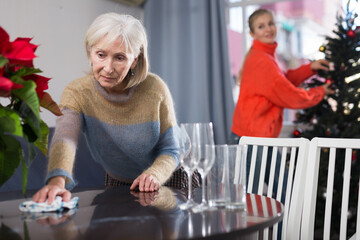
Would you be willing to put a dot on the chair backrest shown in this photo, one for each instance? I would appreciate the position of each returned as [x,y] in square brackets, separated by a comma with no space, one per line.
[331,147]
[293,153]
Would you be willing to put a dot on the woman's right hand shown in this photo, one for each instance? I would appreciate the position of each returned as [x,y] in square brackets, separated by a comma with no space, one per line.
[328,89]
[55,187]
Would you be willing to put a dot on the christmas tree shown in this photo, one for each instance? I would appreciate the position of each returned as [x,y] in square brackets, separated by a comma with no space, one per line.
[338,115]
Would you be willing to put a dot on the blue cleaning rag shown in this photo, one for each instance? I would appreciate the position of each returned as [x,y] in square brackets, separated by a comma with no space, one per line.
[58,205]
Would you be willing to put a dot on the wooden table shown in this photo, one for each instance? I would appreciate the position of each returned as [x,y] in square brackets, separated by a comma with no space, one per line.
[117,213]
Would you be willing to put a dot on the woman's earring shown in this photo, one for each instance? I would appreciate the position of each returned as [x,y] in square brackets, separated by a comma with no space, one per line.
[132,72]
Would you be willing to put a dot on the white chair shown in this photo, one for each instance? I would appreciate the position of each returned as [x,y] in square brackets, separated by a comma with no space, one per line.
[296,150]
[332,146]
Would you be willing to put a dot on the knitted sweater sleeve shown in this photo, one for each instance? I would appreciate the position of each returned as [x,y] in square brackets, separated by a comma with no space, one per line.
[63,147]
[282,92]
[168,145]
[65,139]
[298,75]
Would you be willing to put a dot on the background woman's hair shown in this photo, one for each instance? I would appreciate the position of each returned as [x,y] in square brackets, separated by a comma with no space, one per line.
[132,34]
[252,18]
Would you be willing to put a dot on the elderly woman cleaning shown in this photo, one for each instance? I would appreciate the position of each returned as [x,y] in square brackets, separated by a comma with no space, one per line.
[125,112]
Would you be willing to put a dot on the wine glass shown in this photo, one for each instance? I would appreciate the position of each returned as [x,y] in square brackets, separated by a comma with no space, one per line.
[206,161]
[188,157]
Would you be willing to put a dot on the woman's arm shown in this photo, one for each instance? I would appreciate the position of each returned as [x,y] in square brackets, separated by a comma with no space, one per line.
[61,158]
[297,76]
[167,148]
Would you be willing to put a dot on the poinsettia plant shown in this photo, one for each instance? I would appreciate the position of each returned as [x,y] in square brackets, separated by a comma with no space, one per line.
[20,118]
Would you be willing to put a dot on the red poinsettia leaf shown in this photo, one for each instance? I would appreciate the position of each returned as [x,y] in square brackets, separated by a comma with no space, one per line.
[6,84]
[48,103]
[33,46]
[20,53]
[4,39]
[22,63]
[20,50]
[41,83]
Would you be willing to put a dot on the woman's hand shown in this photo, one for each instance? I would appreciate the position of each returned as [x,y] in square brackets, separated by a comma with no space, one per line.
[146,183]
[328,89]
[145,198]
[55,187]
[320,64]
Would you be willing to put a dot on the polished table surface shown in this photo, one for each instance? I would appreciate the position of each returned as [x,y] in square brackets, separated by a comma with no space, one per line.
[117,213]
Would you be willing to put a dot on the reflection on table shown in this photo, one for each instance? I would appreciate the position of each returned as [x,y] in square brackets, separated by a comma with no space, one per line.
[117,213]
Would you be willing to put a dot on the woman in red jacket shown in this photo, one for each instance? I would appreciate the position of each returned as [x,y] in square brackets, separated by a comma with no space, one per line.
[265,90]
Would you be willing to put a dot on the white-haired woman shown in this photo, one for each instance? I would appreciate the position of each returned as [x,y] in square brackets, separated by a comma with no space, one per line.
[125,112]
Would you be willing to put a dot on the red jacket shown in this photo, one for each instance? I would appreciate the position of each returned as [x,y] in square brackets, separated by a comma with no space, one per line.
[265,91]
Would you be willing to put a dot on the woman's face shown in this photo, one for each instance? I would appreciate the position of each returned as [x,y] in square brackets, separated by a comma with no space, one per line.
[264,29]
[111,64]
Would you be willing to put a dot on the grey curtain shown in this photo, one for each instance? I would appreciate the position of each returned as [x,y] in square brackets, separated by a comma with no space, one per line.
[188,48]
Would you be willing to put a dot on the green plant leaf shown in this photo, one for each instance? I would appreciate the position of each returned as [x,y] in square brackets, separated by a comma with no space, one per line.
[29,97]
[26,232]
[3,61]
[25,171]
[16,79]
[42,141]
[30,133]
[10,157]
[10,122]
[29,112]
[27,71]
[31,153]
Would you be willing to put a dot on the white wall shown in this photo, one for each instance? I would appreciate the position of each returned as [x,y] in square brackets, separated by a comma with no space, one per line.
[59,27]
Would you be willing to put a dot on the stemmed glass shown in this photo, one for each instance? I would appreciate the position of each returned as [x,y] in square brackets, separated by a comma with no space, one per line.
[188,156]
[207,158]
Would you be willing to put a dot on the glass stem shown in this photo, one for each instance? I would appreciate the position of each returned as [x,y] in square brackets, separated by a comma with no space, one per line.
[203,201]
[189,185]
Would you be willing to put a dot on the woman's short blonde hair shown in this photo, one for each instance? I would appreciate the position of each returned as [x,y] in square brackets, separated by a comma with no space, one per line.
[131,32]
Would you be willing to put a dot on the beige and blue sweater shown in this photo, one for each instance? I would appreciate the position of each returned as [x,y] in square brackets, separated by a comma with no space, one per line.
[128,134]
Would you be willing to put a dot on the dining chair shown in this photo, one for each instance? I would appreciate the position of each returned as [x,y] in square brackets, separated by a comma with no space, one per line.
[332,149]
[292,153]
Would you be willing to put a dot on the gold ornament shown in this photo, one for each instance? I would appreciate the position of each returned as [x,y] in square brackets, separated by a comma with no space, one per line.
[346,111]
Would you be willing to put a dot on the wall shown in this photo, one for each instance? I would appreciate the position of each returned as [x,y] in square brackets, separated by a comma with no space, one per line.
[59,27]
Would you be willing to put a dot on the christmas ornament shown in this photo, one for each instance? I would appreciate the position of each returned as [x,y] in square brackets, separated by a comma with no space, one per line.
[351,33]
[328,132]
[297,132]
[322,48]
[353,156]
[342,67]
[346,111]
[314,120]
[331,66]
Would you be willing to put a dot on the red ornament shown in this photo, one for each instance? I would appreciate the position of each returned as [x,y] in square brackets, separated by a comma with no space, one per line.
[329,81]
[328,132]
[297,132]
[351,33]
[353,157]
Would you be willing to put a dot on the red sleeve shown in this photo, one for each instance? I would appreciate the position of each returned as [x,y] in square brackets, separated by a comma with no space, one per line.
[282,92]
[298,75]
